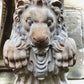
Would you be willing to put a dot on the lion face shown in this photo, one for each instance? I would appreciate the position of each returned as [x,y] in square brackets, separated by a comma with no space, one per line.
[39,23]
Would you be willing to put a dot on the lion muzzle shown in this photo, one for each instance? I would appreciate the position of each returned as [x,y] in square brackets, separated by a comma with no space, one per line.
[40,35]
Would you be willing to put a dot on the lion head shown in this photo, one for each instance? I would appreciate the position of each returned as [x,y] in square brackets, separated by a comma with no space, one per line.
[39,24]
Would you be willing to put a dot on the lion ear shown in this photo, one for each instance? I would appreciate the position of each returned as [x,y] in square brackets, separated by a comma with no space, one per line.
[56,3]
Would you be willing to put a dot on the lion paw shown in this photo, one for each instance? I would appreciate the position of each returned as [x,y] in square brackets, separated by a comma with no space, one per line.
[67,57]
[13,57]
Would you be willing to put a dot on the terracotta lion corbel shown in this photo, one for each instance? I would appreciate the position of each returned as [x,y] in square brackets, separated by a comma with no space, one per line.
[39,50]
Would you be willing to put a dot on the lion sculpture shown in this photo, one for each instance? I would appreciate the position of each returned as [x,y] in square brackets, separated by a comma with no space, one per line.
[39,50]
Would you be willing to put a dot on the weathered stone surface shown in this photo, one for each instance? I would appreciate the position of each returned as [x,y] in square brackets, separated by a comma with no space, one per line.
[76,81]
[83,27]
[7,78]
[74,20]
[78,4]
[28,50]
[73,23]
[77,72]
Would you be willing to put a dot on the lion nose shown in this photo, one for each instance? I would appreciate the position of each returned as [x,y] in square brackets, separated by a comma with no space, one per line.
[41,40]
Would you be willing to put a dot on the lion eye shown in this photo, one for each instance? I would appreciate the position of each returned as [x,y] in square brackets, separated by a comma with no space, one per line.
[29,21]
[49,22]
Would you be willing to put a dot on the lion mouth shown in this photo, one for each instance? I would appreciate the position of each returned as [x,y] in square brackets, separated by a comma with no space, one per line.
[41,54]
[40,46]
[40,51]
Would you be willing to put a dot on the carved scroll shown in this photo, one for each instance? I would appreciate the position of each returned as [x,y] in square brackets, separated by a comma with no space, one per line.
[39,49]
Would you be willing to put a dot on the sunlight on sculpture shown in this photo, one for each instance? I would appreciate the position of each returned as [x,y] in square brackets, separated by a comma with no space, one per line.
[39,50]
